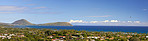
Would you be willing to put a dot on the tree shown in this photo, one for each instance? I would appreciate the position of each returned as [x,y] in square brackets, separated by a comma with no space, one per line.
[134,39]
[85,35]
[47,33]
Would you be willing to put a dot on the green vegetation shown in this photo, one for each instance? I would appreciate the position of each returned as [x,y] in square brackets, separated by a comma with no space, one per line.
[56,24]
[134,39]
[33,34]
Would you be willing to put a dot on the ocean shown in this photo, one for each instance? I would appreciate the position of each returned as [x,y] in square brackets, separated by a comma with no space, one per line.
[138,29]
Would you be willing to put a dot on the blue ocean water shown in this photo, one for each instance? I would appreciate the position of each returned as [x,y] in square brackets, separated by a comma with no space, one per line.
[138,29]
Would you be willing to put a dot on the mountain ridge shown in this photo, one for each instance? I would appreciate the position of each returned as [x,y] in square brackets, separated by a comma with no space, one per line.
[22,22]
[26,23]
[57,24]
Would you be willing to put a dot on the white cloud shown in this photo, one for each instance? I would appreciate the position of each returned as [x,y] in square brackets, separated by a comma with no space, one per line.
[78,21]
[75,21]
[93,21]
[129,21]
[18,9]
[81,21]
[111,23]
[114,21]
[136,21]
[106,21]
[11,8]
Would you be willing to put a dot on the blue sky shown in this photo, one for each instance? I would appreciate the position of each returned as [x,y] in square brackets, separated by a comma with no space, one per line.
[45,11]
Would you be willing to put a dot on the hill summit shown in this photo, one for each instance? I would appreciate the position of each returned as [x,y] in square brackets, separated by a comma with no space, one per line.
[22,22]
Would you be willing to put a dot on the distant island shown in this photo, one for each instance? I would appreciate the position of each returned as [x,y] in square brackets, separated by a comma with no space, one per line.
[23,22]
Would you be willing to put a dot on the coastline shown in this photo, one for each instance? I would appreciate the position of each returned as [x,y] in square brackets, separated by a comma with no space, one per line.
[138,29]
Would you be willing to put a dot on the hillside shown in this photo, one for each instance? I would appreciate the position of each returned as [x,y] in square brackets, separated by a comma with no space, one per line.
[22,22]
[5,25]
[25,22]
[56,24]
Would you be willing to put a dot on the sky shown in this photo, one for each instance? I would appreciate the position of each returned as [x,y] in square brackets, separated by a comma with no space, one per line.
[77,12]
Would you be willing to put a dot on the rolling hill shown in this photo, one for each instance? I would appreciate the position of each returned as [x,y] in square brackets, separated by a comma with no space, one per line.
[27,23]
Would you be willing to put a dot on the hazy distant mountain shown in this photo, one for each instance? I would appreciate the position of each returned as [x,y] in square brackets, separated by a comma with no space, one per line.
[5,24]
[22,22]
[56,24]
[25,22]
